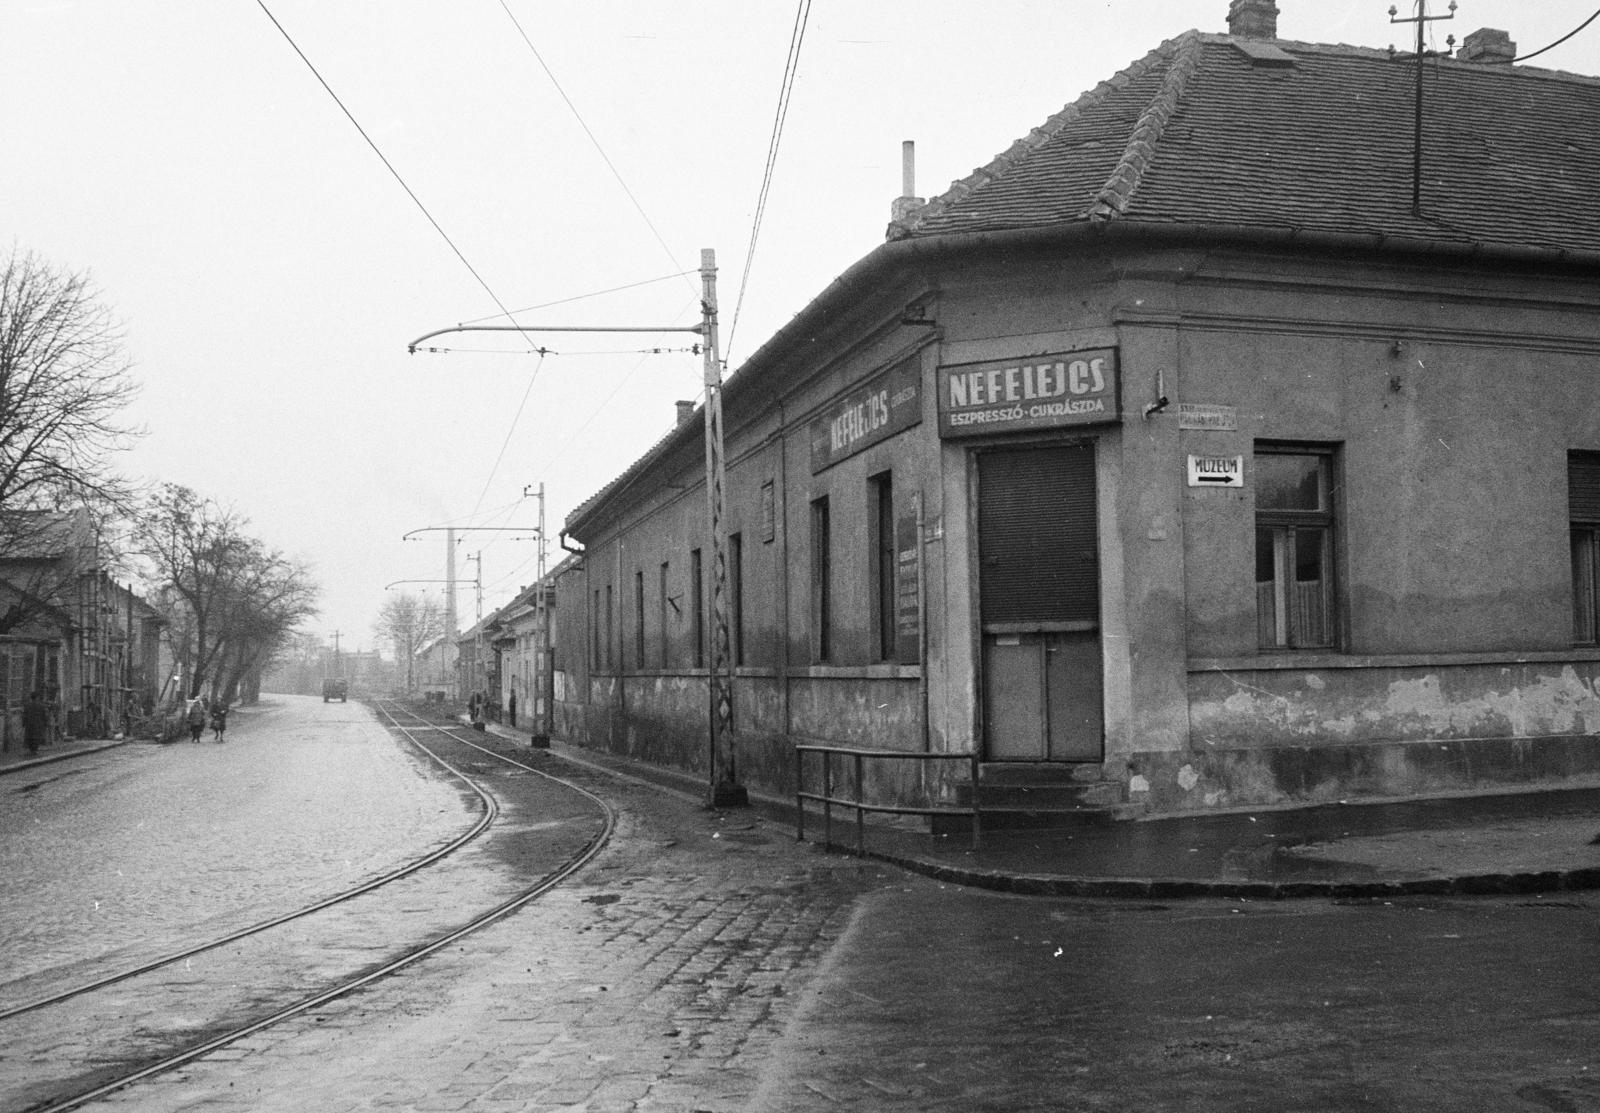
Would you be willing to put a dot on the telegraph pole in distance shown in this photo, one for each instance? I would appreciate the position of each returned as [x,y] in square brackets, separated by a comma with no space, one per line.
[725,789]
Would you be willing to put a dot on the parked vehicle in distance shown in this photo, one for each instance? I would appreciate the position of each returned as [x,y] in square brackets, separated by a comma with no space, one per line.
[335,688]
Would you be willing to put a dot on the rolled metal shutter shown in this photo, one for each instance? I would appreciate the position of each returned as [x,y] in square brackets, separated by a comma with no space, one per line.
[1037,540]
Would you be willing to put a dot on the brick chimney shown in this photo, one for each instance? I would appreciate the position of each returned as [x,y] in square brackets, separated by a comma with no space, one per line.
[685,411]
[1253,19]
[1487,46]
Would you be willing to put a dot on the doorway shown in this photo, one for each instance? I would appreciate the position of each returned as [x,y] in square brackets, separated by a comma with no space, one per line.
[1039,604]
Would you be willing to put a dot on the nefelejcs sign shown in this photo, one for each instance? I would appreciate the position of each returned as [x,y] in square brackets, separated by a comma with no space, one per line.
[1002,396]
[888,404]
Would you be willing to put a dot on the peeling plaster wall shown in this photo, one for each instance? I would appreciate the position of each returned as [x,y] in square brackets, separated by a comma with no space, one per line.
[1240,709]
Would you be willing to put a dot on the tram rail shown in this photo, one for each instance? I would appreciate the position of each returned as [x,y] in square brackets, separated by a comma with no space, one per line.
[406,956]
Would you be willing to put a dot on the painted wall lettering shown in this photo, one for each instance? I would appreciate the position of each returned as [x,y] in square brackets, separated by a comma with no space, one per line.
[888,404]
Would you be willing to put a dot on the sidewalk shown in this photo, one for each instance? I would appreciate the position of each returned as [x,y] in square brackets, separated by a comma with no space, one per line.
[13,760]
[1501,842]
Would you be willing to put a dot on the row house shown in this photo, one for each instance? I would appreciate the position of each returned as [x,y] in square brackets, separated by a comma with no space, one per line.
[1230,439]
[90,645]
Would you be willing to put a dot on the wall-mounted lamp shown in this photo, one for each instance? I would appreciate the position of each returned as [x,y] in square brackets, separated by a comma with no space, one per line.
[917,314]
[1161,401]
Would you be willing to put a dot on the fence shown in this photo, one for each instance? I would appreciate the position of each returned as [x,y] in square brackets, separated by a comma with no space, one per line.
[859,758]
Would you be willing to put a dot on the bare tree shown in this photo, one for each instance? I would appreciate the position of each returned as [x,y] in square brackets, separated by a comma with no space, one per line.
[64,381]
[409,622]
[235,596]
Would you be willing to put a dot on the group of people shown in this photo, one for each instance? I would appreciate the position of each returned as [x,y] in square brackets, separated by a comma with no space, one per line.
[202,711]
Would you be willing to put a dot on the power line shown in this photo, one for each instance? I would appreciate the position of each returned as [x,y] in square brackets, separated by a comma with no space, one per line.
[786,87]
[1558,42]
[509,433]
[581,123]
[387,164]
[581,297]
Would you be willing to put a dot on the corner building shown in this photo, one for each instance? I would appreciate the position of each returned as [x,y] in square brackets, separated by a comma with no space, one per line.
[1191,453]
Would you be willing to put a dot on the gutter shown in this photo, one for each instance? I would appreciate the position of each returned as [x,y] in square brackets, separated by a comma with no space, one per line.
[856,282]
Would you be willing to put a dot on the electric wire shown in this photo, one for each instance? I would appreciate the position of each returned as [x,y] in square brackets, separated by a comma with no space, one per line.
[1558,42]
[517,417]
[387,164]
[615,173]
[791,68]
[581,297]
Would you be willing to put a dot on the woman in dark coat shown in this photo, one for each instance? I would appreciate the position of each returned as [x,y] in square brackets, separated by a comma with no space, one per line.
[35,722]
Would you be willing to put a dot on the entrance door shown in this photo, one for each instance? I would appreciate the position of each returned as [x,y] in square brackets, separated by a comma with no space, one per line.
[1039,601]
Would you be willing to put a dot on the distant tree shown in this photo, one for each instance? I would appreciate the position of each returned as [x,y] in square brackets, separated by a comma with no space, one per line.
[409,622]
[236,599]
[64,382]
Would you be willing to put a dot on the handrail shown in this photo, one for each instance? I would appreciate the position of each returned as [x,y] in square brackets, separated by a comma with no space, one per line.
[860,755]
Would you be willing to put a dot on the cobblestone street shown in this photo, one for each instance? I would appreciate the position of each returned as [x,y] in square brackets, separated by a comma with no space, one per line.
[660,979]
[143,846]
[707,963]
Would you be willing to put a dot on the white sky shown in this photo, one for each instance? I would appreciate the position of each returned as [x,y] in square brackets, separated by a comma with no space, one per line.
[270,270]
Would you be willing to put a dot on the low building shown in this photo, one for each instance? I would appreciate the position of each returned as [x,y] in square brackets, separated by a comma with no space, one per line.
[90,645]
[1225,441]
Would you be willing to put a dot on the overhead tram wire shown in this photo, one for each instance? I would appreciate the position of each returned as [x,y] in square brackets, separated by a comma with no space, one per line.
[791,68]
[493,471]
[581,297]
[615,173]
[388,165]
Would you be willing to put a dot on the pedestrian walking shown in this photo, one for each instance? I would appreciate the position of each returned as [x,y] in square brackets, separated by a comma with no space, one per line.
[196,719]
[219,720]
[35,721]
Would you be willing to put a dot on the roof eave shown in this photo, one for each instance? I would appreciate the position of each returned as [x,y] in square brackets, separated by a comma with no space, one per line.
[865,277]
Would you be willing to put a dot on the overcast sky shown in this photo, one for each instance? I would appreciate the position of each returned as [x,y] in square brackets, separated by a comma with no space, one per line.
[271,270]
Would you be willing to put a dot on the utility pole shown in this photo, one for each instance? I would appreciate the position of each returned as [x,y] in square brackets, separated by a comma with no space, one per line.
[725,789]
[1421,19]
[450,655]
[543,677]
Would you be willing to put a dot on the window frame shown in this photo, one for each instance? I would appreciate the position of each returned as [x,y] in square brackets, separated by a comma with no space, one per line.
[821,581]
[1285,526]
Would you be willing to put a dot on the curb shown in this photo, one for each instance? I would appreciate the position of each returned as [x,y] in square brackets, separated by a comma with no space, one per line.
[50,759]
[1129,888]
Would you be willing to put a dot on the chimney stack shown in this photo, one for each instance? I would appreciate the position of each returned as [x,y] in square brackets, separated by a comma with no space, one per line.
[1253,19]
[1487,46]
[685,411]
[906,205]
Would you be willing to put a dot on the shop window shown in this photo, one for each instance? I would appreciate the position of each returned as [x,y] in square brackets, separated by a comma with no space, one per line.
[666,603]
[821,582]
[1583,502]
[697,607]
[881,493]
[736,597]
[1294,548]
[638,620]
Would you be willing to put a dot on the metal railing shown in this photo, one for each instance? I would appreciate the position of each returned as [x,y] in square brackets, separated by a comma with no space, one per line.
[859,758]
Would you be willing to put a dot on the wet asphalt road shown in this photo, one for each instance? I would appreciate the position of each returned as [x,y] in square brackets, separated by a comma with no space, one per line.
[706,962]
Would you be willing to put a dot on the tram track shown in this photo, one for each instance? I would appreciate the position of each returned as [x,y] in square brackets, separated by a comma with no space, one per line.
[167,986]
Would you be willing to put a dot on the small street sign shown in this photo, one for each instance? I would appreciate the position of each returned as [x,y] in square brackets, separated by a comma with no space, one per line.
[1216,471]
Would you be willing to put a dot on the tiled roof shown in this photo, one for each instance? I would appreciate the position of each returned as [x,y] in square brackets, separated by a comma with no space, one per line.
[1318,139]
